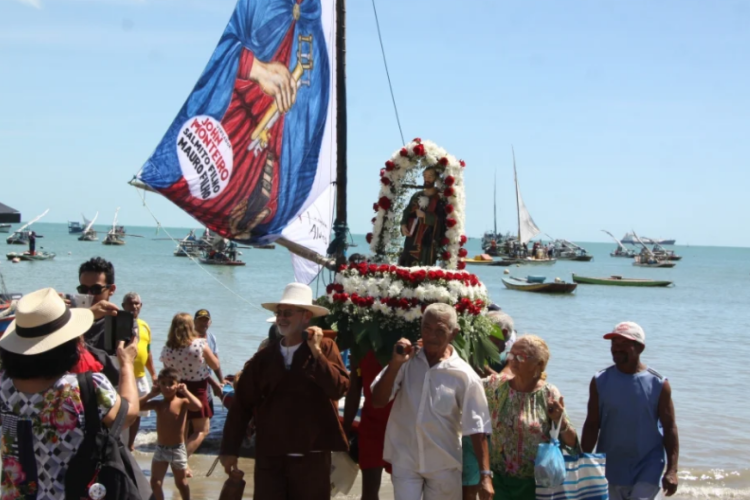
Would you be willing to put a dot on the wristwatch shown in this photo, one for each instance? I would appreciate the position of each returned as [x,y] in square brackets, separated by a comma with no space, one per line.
[486,473]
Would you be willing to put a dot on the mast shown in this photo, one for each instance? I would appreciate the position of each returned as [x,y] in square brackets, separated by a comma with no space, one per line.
[494,203]
[518,203]
[341,163]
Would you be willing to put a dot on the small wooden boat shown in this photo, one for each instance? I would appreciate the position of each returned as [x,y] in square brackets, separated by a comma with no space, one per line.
[505,262]
[26,256]
[531,284]
[577,258]
[220,261]
[653,263]
[621,250]
[483,259]
[536,262]
[620,281]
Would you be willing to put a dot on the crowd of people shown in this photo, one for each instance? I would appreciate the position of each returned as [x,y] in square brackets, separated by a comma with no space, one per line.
[442,428]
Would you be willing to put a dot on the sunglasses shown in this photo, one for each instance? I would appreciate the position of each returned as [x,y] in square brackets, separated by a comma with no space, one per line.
[92,290]
[518,357]
[287,313]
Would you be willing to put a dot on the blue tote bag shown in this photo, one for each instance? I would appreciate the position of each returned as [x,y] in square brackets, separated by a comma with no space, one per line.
[584,479]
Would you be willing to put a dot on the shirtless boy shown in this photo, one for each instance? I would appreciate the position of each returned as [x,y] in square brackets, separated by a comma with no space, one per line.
[171,416]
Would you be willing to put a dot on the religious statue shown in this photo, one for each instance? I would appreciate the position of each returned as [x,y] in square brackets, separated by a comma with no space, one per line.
[423,224]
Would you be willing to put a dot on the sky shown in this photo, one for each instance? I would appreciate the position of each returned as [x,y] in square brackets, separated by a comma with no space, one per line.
[622,114]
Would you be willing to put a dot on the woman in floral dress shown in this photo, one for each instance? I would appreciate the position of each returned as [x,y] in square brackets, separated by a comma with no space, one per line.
[523,406]
[190,355]
[41,410]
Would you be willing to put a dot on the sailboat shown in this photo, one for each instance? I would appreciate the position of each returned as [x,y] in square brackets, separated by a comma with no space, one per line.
[492,240]
[621,250]
[527,228]
[647,258]
[115,236]
[88,233]
[21,235]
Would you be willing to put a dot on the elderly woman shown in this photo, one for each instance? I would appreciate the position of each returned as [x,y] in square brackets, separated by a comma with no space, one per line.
[40,400]
[192,357]
[523,406]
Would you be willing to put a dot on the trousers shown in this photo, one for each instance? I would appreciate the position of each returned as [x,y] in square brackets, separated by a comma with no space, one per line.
[440,485]
[305,477]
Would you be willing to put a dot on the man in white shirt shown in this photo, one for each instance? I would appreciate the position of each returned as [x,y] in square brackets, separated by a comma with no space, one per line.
[438,398]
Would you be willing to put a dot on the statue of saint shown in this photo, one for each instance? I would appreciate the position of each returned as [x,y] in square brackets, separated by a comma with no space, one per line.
[423,224]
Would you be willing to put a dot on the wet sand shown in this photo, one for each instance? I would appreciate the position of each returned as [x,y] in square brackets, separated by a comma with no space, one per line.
[208,488]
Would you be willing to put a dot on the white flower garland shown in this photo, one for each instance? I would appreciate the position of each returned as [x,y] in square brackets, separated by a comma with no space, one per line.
[386,236]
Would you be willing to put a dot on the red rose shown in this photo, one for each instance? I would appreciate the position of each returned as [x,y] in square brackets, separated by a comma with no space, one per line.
[404,152]
[464,239]
[344,297]
[449,181]
[339,287]
[440,274]
[417,140]
[384,300]
[462,252]
[383,268]
[419,150]
[384,202]
[462,163]
[431,275]
[342,268]
[445,241]
[389,166]
[444,161]
[404,303]
[392,269]
[374,219]
[375,207]
[446,256]
[373,268]
[330,289]
[450,222]
[414,302]
[393,302]
[448,192]
[462,265]
[449,209]
[369,237]
[385,180]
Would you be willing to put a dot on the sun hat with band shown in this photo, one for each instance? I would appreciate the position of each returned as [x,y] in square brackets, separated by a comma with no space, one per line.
[298,295]
[628,330]
[44,322]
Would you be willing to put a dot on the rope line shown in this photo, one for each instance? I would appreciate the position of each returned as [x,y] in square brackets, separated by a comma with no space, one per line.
[387,73]
[193,259]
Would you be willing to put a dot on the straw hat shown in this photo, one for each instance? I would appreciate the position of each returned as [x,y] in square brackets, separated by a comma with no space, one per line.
[43,322]
[297,294]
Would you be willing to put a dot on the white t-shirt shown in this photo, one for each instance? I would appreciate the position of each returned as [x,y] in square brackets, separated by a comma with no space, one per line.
[288,354]
[434,407]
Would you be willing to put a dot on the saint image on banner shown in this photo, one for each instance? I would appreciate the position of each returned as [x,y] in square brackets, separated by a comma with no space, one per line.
[243,152]
[423,224]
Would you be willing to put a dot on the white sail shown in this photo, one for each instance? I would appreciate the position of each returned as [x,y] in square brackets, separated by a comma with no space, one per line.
[90,223]
[527,229]
[650,253]
[619,243]
[114,222]
[31,221]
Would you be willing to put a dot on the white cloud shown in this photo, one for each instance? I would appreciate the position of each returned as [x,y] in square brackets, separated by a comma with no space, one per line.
[37,4]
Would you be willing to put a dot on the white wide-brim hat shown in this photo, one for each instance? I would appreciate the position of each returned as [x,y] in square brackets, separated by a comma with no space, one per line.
[299,295]
[43,322]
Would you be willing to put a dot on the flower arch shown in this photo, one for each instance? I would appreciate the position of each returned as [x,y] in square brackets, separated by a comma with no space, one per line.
[402,167]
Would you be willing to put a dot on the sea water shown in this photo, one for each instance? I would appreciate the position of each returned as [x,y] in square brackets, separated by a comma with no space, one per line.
[696,331]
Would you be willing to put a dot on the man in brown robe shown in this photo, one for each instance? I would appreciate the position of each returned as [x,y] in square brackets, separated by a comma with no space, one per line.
[291,390]
[423,227]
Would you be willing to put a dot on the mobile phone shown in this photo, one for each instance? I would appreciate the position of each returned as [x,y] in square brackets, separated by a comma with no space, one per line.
[400,350]
[118,328]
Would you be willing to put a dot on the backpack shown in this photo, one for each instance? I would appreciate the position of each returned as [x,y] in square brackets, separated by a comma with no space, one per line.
[101,458]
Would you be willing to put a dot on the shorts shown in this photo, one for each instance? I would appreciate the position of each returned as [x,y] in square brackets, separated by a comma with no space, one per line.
[371,439]
[200,390]
[639,491]
[143,384]
[470,472]
[176,455]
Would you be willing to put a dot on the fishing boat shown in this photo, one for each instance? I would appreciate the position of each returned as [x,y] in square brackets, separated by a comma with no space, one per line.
[567,250]
[116,235]
[75,227]
[88,233]
[620,281]
[4,228]
[532,284]
[26,256]
[621,250]
[664,254]
[21,235]
[480,260]
[527,228]
[647,258]
[219,259]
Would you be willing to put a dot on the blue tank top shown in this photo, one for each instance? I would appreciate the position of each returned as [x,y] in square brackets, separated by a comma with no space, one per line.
[630,432]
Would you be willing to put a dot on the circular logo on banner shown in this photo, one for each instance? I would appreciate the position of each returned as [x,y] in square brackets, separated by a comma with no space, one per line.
[205,155]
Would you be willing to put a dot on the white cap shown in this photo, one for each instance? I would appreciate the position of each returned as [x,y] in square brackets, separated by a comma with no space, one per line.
[628,330]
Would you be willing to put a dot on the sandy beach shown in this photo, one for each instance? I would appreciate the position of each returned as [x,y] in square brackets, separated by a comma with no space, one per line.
[208,488]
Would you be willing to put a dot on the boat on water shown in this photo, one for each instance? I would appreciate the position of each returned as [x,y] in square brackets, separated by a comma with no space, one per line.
[116,235]
[647,258]
[620,281]
[21,235]
[4,228]
[75,227]
[221,252]
[567,250]
[480,260]
[219,259]
[26,256]
[621,250]
[664,254]
[632,239]
[538,284]
[88,233]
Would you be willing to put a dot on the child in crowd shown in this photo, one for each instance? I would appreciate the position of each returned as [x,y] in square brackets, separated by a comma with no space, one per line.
[171,418]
